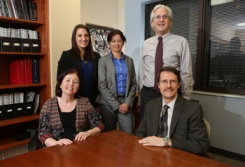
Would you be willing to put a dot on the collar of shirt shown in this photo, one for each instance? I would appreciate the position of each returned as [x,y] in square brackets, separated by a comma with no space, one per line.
[164,37]
[171,104]
[123,56]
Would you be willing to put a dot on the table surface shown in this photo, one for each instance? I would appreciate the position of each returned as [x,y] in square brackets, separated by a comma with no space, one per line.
[109,149]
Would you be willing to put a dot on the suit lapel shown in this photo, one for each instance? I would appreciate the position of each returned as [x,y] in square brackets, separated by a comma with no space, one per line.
[128,74]
[178,109]
[156,115]
[111,72]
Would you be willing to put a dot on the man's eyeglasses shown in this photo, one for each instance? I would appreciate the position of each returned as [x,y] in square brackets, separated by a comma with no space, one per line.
[165,82]
[158,17]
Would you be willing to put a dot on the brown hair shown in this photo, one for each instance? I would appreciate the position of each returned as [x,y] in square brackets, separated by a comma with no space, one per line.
[89,54]
[58,91]
[173,70]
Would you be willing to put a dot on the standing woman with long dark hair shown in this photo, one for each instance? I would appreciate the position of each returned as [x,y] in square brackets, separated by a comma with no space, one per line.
[82,58]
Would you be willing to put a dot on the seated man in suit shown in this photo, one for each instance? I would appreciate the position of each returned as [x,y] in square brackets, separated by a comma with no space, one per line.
[183,126]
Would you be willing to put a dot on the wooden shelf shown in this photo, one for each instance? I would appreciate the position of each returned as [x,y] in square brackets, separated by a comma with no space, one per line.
[21,86]
[8,127]
[22,54]
[9,143]
[19,120]
[13,22]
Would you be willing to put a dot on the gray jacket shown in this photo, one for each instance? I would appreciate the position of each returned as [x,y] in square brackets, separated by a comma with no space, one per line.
[107,83]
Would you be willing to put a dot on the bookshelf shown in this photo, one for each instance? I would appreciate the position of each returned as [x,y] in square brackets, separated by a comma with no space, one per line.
[41,25]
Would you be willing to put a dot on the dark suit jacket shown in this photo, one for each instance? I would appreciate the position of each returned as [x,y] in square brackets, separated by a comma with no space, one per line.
[107,83]
[67,62]
[187,129]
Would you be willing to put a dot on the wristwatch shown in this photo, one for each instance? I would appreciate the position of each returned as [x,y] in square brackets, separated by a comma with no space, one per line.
[165,141]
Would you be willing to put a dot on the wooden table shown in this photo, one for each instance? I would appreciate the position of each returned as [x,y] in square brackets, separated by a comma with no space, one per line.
[109,149]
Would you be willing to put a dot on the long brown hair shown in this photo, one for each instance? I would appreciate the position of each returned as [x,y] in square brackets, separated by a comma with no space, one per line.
[88,54]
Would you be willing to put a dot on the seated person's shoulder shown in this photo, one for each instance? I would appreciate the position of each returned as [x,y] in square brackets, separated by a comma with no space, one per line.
[154,101]
[193,104]
[82,99]
[52,100]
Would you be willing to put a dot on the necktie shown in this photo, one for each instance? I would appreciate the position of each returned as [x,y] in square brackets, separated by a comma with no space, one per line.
[163,122]
[158,61]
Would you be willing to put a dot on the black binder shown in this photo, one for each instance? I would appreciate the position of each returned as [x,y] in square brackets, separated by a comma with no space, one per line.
[6,44]
[26,45]
[16,44]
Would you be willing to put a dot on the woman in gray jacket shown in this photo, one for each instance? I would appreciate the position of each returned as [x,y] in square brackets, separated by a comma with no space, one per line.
[117,85]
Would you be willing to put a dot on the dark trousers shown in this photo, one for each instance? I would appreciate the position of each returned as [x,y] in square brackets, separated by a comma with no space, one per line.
[147,94]
[111,118]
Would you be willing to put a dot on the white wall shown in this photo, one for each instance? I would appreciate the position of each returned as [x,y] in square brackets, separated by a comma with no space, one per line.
[100,12]
[226,116]
[64,15]
[134,28]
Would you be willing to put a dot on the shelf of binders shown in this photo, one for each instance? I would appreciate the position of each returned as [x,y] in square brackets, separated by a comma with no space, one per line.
[8,127]
[13,22]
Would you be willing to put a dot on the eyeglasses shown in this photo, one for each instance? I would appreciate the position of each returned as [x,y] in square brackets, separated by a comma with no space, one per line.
[158,17]
[165,82]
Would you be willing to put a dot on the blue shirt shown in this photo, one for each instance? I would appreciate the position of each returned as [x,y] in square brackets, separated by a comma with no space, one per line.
[87,79]
[121,74]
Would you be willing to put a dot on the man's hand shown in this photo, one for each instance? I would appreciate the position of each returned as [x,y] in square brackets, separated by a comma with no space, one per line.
[152,141]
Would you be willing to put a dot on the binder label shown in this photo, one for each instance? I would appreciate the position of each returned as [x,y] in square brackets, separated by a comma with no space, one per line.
[35,45]
[26,45]
[6,43]
[16,44]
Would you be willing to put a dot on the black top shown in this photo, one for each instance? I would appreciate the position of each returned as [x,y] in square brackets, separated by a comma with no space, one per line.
[68,123]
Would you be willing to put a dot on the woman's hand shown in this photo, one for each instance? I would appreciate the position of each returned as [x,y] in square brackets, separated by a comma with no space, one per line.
[123,108]
[52,142]
[64,142]
[82,136]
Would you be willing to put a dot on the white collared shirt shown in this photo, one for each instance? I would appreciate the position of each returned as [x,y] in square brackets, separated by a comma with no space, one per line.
[170,112]
[176,53]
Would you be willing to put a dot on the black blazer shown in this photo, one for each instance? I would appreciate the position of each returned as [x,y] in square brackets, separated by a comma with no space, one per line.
[187,129]
[68,62]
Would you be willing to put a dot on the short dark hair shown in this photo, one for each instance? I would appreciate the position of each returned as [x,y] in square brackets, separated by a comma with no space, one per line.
[115,32]
[169,69]
[58,91]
